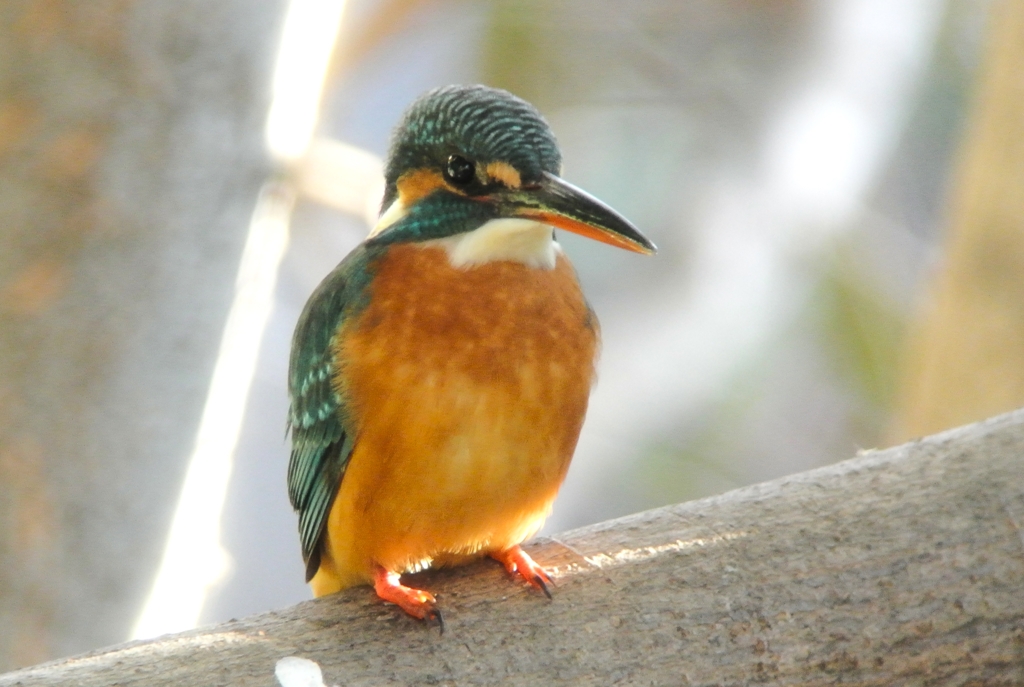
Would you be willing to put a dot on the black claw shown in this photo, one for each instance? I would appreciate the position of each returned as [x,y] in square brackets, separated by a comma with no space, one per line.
[543,586]
[435,614]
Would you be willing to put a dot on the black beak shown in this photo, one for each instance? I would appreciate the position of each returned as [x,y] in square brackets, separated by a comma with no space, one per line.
[562,205]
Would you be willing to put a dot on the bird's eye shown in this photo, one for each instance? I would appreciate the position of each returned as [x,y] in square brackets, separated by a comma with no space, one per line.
[459,170]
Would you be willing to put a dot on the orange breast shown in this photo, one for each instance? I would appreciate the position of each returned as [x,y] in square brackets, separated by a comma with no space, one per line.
[469,388]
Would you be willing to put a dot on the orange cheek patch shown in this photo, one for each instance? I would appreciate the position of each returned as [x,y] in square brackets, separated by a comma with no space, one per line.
[505,173]
[414,185]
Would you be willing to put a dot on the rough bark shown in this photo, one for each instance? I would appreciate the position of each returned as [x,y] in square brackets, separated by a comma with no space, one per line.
[131,154]
[903,566]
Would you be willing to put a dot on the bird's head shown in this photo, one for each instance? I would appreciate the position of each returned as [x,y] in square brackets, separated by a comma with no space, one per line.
[477,160]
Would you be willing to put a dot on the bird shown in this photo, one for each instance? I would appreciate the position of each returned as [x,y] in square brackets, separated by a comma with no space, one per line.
[439,376]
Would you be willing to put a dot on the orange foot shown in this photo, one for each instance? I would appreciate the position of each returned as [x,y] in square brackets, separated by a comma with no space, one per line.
[515,561]
[415,602]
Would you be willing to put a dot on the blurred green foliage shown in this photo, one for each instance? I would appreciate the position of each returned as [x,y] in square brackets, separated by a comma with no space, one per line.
[862,333]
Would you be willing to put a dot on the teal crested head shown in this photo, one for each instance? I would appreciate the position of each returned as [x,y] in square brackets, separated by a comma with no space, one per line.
[483,126]
[465,158]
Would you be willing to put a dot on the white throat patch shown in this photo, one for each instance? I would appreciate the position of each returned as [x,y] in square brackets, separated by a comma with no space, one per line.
[520,240]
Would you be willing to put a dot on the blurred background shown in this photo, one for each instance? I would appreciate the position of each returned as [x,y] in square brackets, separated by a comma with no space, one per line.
[836,186]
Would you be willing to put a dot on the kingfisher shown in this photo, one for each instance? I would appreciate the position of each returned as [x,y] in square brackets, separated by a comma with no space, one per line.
[439,375]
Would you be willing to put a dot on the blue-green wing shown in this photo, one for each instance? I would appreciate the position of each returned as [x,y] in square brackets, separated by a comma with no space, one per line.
[322,434]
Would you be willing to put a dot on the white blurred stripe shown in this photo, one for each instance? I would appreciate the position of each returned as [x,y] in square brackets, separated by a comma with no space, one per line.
[194,559]
[307,41]
[343,177]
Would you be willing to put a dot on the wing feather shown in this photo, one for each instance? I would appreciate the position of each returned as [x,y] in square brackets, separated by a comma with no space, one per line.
[321,426]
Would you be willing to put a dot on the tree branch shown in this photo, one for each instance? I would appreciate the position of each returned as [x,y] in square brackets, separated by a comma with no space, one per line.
[899,566]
